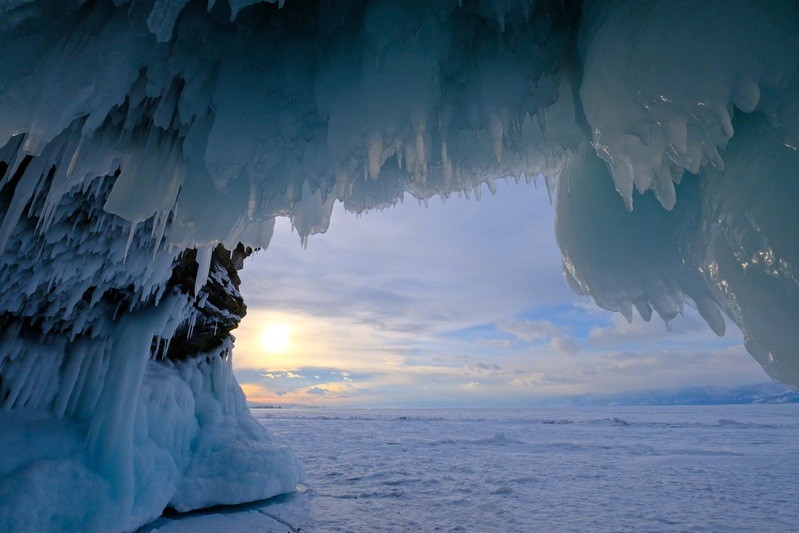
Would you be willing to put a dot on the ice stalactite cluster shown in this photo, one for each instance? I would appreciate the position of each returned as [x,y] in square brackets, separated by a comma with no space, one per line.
[662,82]
[697,104]
[139,140]
[105,339]
[272,112]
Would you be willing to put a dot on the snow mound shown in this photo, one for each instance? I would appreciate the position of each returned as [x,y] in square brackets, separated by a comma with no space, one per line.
[189,442]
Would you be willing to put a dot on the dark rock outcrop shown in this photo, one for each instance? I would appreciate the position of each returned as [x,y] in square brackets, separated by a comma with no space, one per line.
[219,306]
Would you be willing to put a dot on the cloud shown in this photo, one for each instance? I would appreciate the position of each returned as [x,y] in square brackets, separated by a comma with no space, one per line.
[674,368]
[296,382]
[539,379]
[505,344]
[529,330]
[565,345]
[537,331]
[288,375]
[317,391]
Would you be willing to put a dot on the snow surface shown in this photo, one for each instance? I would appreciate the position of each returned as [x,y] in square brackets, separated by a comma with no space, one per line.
[719,468]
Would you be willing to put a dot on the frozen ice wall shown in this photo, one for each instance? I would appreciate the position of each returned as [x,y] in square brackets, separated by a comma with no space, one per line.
[693,105]
[142,141]
[116,385]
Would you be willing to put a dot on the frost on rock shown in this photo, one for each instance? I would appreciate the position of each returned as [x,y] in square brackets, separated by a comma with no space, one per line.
[139,141]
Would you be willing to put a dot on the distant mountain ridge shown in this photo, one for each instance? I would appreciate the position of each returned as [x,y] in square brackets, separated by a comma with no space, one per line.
[761,393]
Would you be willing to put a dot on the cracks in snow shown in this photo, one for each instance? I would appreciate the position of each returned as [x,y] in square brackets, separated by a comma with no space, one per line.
[292,528]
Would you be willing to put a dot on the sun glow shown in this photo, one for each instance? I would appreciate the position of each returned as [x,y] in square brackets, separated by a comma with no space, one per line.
[276,337]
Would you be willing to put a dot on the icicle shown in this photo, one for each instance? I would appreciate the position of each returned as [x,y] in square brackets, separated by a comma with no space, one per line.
[130,240]
[447,167]
[495,135]
[420,129]
[204,256]
[664,190]
[677,132]
[710,312]
[252,202]
[724,120]
[167,342]
[623,178]
[643,308]
[550,181]
[191,324]
[626,309]
[22,195]
[75,362]
[643,130]
[374,152]
[12,153]
[746,96]
[713,156]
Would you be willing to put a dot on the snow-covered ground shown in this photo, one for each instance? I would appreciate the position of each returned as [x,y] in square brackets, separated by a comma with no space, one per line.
[717,468]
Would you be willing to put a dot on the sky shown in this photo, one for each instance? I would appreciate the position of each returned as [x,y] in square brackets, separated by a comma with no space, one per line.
[461,303]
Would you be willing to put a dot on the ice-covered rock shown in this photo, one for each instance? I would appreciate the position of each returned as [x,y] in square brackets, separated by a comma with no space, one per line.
[105,339]
[136,138]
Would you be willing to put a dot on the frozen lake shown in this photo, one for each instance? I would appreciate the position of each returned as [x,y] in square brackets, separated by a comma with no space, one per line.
[604,468]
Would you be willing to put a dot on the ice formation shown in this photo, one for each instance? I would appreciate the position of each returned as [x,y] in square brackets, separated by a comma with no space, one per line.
[139,141]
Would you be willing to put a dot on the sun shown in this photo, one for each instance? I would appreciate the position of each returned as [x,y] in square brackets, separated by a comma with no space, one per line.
[276,337]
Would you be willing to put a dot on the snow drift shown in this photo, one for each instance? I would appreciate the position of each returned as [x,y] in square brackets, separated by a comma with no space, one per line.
[140,141]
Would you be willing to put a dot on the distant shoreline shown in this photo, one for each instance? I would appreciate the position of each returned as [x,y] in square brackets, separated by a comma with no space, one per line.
[758,394]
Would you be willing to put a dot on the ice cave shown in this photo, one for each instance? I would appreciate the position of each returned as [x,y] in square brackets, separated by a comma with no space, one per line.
[147,146]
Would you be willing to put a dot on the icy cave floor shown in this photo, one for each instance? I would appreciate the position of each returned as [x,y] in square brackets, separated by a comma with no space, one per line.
[606,468]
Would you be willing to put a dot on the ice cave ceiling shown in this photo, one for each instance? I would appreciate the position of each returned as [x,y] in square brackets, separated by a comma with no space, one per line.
[132,131]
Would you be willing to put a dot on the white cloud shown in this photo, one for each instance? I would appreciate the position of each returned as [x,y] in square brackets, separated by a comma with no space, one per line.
[542,382]
[529,330]
[539,331]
